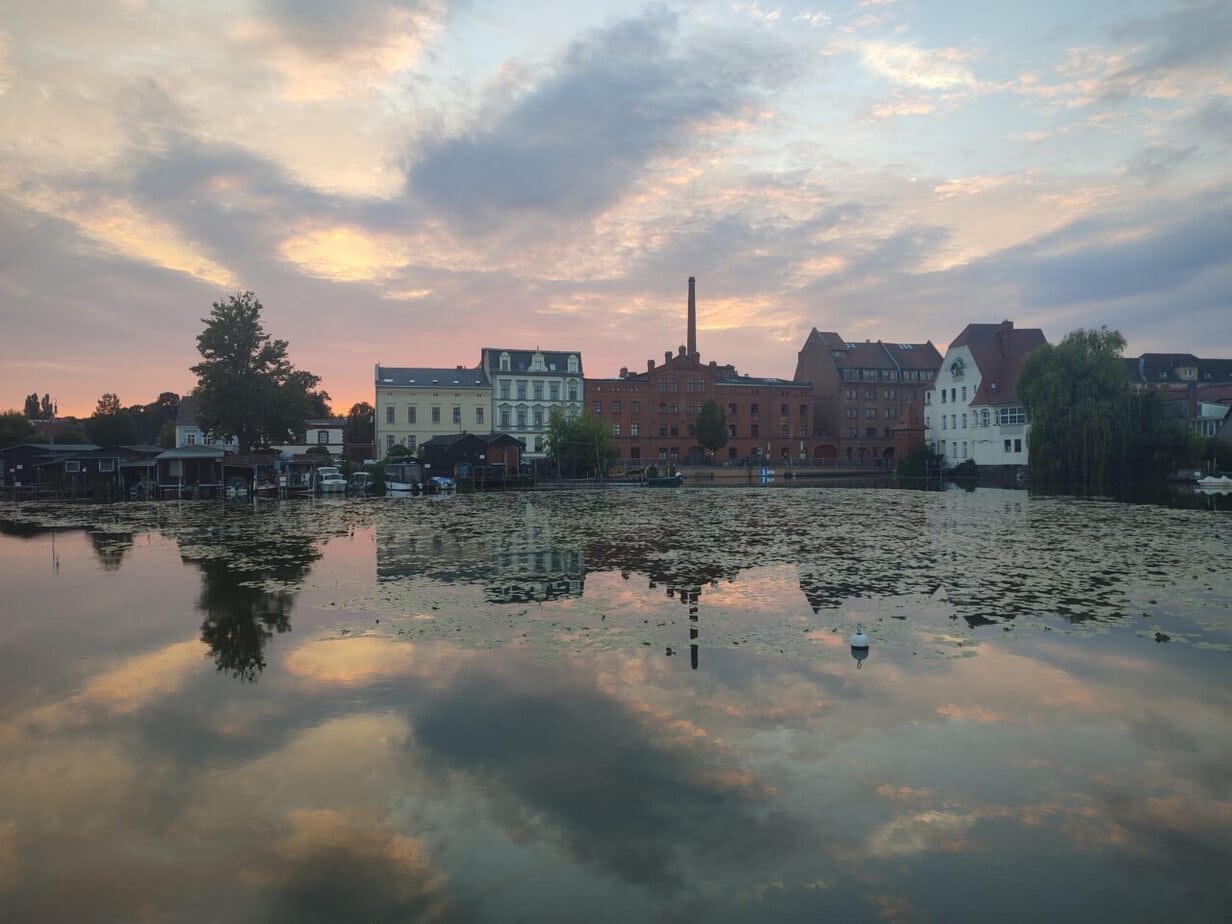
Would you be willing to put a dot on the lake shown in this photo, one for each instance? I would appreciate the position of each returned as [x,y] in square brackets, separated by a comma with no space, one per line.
[617,706]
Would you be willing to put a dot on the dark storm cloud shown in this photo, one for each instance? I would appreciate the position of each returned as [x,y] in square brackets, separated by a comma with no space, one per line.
[620,794]
[329,27]
[619,99]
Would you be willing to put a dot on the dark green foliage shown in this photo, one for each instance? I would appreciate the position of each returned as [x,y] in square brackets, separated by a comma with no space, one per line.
[360,424]
[579,447]
[70,436]
[246,386]
[711,426]
[111,424]
[15,429]
[920,468]
[1087,429]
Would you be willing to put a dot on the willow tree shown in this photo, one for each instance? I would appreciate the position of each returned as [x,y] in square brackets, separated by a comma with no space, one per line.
[1076,395]
[246,385]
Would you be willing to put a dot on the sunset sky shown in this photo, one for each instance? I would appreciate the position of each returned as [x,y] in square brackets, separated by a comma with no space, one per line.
[408,181]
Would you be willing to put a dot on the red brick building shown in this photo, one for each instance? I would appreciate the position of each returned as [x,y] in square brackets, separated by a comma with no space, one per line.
[862,393]
[653,414]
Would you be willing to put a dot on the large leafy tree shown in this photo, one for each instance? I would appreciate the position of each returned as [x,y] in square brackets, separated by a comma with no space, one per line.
[111,424]
[246,385]
[16,429]
[360,424]
[1076,395]
[32,407]
[580,446]
[711,426]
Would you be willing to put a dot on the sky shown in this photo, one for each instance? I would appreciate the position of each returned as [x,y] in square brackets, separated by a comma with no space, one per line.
[405,182]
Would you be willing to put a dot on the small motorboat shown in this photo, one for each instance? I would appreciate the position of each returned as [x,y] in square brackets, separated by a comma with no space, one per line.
[329,480]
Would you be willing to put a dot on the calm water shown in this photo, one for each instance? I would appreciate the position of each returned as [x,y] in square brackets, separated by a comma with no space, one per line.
[617,706]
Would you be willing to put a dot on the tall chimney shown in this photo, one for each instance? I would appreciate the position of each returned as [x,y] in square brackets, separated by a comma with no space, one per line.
[692,337]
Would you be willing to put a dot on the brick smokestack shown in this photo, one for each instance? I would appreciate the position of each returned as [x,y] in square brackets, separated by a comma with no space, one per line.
[691,340]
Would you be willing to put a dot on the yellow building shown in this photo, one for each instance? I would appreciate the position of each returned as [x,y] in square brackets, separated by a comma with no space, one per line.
[414,405]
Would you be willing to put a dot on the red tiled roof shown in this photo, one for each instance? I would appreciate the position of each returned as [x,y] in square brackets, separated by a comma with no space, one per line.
[998,351]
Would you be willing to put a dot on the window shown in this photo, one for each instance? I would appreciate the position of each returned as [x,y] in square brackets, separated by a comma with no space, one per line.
[964,419]
[615,407]
[870,394]
[410,414]
[674,408]
[964,392]
[479,415]
[754,408]
[850,394]
[851,375]
[785,430]
[192,438]
[662,384]
[457,414]
[984,417]
[928,397]
[954,395]
[942,421]
[869,375]
[1018,445]
[635,452]
[522,391]
[410,443]
[662,429]
[615,429]
[1011,415]
[909,375]
[554,391]
[731,410]
[943,396]
[754,430]
[322,437]
[635,407]
[635,429]
[596,407]
[953,421]
[538,391]
[521,418]
[675,384]
[782,410]
[389,414]
[538,418]
[662,407]
[573,392]
[504,418]
[106,465]
[675,429]
[504,390]
[389,441]
[889,413]
[870,412]
[436,415]
[731,430]
[1007,445]
[504,364]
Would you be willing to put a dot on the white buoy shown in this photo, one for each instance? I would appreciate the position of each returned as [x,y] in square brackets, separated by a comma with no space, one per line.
[859,640]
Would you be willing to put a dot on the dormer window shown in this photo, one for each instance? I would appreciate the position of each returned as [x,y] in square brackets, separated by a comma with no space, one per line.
[504,362]
[573,363]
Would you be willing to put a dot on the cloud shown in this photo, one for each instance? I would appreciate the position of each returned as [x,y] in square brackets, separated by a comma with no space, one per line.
[573,145]
[1154,164]
[907,64]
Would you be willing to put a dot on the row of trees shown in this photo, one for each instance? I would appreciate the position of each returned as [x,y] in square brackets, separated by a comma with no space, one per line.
[111,424]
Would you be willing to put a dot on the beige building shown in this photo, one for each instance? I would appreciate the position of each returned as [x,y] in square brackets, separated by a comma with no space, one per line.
[413,405]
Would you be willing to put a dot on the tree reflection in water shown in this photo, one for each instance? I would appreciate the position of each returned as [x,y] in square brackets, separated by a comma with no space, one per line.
[248,580]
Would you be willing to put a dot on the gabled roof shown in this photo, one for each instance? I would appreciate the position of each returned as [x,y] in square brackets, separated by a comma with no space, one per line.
[429,376]
[450,439]
[186,415]
[878,354]
[998,351]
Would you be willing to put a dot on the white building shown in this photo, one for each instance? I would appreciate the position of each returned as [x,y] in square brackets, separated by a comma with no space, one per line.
[415,404]
[526,385]
[187,433]
[972,411]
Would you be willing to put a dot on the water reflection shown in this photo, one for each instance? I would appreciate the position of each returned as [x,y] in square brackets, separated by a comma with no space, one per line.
[248,588]
[473,757]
